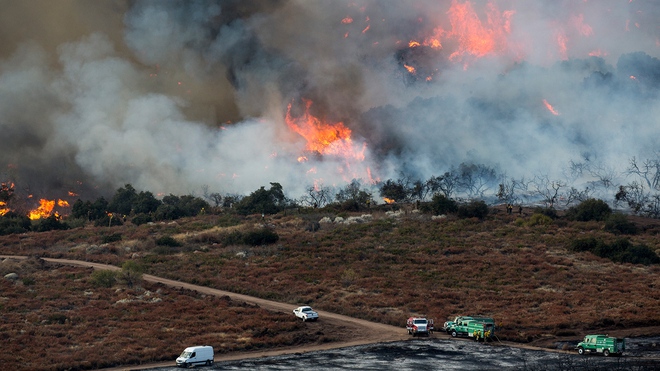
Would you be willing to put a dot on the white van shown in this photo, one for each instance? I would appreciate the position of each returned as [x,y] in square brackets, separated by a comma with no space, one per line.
[192,356]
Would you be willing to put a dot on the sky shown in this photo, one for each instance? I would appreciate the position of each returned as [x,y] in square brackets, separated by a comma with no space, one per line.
[187,97]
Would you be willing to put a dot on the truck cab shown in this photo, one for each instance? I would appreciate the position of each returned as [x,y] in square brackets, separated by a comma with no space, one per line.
[419,326]
[606,345]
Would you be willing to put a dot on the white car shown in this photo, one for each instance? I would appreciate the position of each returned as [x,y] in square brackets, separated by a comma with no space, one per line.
[306,313]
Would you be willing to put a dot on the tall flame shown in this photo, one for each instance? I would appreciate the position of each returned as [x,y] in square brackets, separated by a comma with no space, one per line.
[3,208]
[329,139]
[43,211]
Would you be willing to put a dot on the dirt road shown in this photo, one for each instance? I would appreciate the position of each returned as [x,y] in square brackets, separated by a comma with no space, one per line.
[353,331]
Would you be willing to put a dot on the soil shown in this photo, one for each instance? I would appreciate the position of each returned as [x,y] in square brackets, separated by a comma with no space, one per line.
[345,331]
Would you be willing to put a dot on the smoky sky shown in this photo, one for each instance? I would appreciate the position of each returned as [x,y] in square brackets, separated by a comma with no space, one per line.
[180,96]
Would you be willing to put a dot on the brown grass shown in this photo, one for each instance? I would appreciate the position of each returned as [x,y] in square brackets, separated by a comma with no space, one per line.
[386,270]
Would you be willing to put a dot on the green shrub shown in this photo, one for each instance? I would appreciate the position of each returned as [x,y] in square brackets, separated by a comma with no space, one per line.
[591,209]
[50,223]
[140,219]
[539,219]
[618,223]
[104,278]
[440,204]
[621,250]
[111,238]
[108,221]
[547,211]
[585,244]
[258,237]
[474,209]
[167,241]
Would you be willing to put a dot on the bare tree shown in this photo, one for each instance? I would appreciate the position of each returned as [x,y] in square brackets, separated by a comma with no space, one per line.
[547,189]
[648,171]
[316,195]
[475,179]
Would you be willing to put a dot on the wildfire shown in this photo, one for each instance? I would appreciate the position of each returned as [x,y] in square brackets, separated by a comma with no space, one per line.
[327,139]
[3,208]
[388,200]
[472,36]
[550,108]
[43,211]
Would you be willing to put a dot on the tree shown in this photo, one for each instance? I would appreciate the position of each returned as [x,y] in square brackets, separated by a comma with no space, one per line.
[263,201]
[316,195]
[548,190]
[394,191]
[440,204]
[475,179]
[353,192]
[123,200]
[216,198]
[145,203]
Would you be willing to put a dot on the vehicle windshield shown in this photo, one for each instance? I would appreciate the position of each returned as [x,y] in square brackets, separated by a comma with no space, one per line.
[185,355]
[420,321]
[308,309]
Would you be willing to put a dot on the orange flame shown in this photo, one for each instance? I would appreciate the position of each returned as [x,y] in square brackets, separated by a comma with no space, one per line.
[410,69]
[3,209]
[388,200]
[472,36]
[550,108]
[330,139]
[43,211]
[62,203]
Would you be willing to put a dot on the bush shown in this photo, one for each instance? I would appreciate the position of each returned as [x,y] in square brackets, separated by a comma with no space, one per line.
[618,223]
[104,278]
[49,224]
[167,241]
[111,238]
[547,211]
[107,221]
[131,273]
[475,209]
[621,250]
[140,219]
[441,204]
[539,219]
[591,209]
[262,236]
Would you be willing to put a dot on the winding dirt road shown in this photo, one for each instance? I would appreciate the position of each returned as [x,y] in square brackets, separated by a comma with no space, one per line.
[362,332]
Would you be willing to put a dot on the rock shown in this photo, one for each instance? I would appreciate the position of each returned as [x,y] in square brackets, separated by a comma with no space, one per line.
[11,276]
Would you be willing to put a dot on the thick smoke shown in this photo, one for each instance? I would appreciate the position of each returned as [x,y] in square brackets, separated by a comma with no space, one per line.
[175,96]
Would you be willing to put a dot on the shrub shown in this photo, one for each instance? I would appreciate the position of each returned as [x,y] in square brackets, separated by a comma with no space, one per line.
[618,223]
[140,219]
[167,241]
[547,211]
[104,278]
[539,219]
[262,236]
[108,221]
[621,250]
[591,209]
[49,224]
[474,209]
[440,204]
[131,273]
[111,238]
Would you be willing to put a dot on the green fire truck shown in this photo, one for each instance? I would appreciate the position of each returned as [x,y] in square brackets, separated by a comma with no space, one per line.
[479,328]
[601,344]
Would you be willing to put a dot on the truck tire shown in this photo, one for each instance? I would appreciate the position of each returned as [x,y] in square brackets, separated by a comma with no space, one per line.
[454,334]
[581,351]
[606,353]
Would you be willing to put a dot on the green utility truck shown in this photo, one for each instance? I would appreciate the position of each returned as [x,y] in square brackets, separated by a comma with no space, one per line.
[479,328]
[601,344]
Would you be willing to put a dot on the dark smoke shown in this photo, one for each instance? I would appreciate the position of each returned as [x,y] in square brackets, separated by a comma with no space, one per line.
[174,95]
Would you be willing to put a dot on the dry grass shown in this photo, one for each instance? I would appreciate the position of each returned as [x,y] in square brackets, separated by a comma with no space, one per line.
[385,270]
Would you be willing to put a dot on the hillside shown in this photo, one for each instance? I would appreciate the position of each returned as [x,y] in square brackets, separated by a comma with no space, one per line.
[383,266]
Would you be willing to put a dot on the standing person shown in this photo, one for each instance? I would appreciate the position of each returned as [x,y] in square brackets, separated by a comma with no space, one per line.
[519,209]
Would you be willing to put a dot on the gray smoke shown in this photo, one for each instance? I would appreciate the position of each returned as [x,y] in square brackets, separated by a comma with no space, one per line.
[171,96]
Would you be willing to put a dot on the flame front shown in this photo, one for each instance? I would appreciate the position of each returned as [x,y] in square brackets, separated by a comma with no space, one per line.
[3,208]
[327,139]
[43,211]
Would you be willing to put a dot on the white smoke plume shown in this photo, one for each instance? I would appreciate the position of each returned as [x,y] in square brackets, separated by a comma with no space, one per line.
[171,96]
